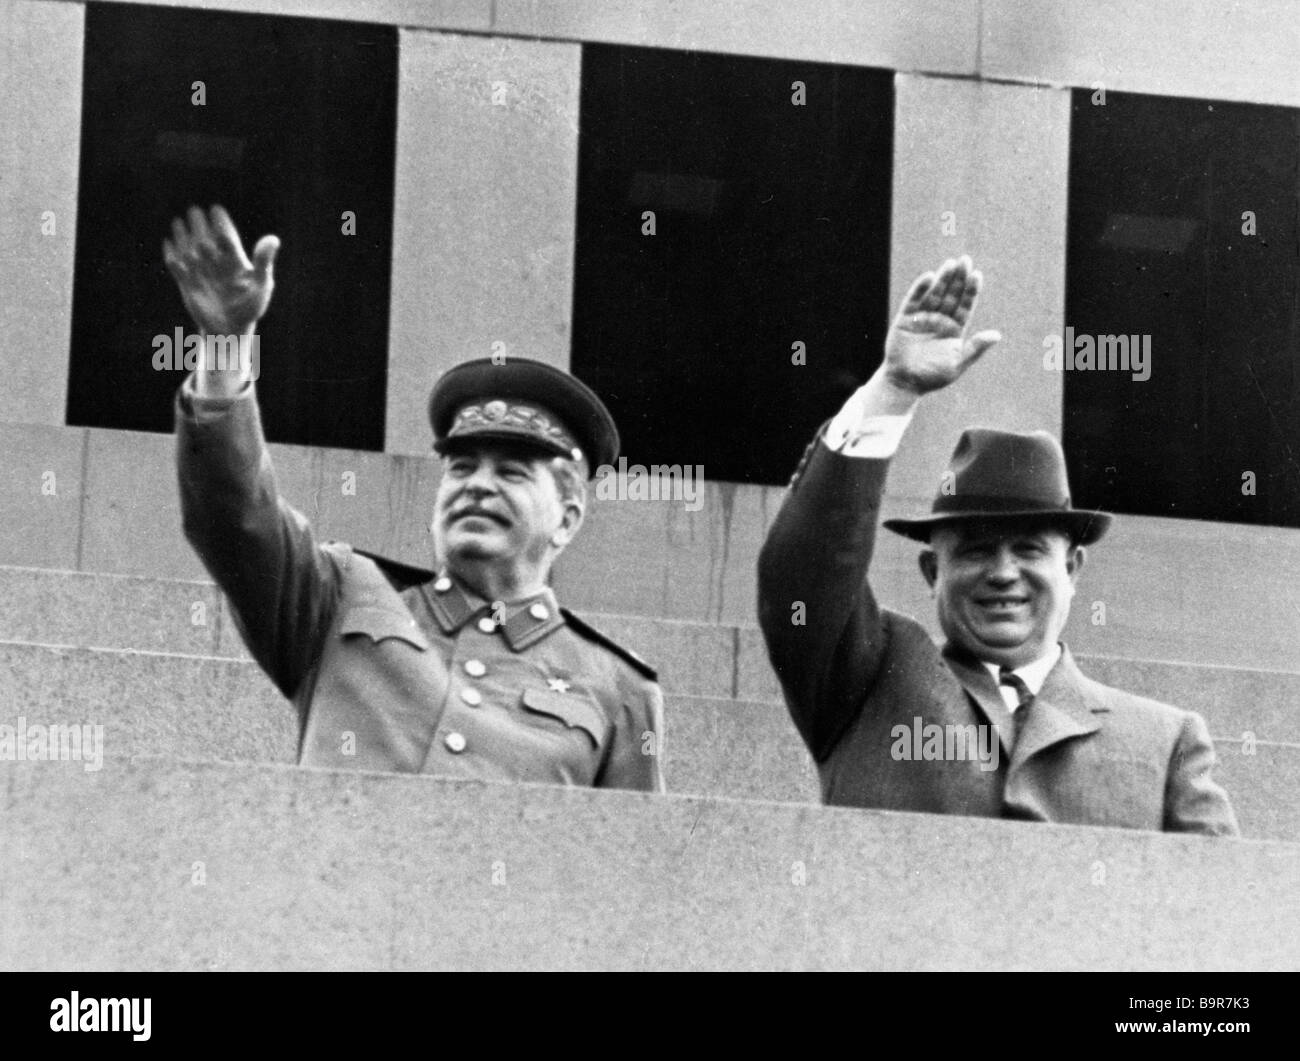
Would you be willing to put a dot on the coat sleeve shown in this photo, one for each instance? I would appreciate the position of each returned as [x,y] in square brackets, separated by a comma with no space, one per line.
[282,588]
[1194,803]
[635,758]
[823,628]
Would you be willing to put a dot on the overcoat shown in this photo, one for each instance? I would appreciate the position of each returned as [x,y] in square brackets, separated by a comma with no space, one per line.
[857,676]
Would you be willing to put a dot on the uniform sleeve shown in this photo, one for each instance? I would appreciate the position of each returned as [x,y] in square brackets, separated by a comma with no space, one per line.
[636,755]
[261,552]
[1194,803]
[819,617]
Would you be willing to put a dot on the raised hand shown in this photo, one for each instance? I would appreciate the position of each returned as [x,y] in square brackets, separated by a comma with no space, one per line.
[927,348]
[223,291]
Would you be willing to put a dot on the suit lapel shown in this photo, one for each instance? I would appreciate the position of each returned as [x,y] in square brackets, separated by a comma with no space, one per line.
[980,687]
[1061,710]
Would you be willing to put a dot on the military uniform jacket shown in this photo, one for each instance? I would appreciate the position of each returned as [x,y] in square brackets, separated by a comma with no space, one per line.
[391,667]
[854,673]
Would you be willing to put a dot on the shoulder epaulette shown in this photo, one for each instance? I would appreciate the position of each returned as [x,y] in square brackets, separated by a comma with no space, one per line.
[592,634]
[400,574]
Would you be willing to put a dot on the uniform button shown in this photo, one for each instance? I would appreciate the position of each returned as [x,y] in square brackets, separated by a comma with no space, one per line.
[538,611]
[487,625]
[442,585]
[455,742]
[475,668]
[471,696]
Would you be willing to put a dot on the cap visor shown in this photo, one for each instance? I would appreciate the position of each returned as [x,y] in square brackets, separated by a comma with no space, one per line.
[523,440]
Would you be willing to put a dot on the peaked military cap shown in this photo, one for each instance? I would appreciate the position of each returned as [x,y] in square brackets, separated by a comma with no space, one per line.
[522,401]
[1006,475]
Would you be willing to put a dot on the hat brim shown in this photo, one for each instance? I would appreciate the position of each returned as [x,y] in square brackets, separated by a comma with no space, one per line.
[1083,527]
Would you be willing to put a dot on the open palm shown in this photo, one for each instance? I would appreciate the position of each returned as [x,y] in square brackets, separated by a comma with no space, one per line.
[224,292]
[927,348]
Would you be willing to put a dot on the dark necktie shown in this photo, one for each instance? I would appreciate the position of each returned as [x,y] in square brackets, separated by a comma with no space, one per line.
[1006,676]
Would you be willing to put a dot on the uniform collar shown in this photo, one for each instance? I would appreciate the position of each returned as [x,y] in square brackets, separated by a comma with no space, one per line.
[525,622]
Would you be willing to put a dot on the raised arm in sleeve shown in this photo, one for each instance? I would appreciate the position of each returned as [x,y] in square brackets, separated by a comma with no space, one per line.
[259,549]
[819,617]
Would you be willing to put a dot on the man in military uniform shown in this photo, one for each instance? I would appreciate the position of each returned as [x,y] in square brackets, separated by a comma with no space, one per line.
[1003,548]
[473,670]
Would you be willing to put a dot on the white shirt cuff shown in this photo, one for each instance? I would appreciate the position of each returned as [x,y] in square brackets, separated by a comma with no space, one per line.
[855,435]
[204,409]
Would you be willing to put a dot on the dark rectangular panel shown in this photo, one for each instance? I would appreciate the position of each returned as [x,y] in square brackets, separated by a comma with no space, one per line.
[1183,230]
[297,126]
[770,188]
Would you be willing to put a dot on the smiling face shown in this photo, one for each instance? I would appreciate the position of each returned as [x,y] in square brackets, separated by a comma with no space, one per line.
[499,505]
[1003,588]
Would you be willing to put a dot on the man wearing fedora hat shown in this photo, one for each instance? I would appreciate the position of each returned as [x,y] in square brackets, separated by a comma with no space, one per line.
[878,703]
[471,670]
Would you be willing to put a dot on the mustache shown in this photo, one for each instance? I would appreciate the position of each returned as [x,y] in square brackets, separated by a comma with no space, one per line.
[473,508]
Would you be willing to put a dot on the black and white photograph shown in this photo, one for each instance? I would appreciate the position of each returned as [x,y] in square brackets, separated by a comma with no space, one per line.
[647,486]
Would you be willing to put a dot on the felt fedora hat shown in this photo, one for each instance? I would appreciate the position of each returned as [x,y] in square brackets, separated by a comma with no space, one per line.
[524,402]
[997,475]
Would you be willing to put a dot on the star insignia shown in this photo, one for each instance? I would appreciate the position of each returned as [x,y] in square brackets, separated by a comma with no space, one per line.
[558,685]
